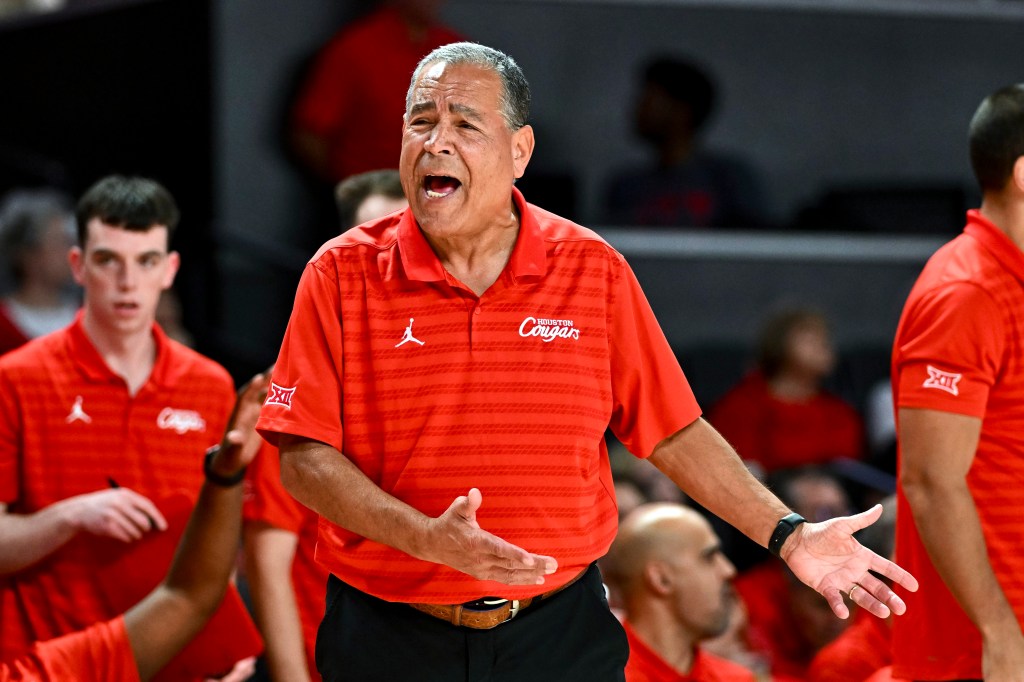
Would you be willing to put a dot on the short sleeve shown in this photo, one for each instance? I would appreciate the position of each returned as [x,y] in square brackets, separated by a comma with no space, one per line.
[304,398]
[102,652]
[651,397]
[949,350]
[266,499]
[10,439]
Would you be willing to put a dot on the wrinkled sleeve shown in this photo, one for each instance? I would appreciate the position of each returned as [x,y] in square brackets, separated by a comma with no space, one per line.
[10,439]
[305,396]
[651,397]
[948,353]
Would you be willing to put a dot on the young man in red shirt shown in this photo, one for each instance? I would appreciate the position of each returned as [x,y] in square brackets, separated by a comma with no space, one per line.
[99,421]
[675,585]
[441,401]
[958,383]
[136,645]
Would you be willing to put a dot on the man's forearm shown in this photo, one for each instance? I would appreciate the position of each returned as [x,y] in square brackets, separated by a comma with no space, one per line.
[947,518]
[707,469]
[269,553]
[28,538]
[326,481]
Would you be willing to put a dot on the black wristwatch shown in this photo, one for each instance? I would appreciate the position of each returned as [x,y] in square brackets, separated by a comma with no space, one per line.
[787,524]
[219,479]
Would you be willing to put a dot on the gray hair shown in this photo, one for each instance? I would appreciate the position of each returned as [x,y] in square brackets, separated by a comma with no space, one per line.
[515,91]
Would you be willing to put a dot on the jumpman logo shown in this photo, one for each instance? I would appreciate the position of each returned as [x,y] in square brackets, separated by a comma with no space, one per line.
[77,413]
[408,336]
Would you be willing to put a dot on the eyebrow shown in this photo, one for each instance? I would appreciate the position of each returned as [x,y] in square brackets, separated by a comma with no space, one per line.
[102,251]
[463,109]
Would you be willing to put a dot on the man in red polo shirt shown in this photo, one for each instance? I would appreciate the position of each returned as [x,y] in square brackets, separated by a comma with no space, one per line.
[676,590]
[958,382]
[99,421]
[476,348]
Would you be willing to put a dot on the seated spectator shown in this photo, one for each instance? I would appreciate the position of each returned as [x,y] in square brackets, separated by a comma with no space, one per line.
[674,582]
[780,416]
[864,647]
[36,231]
[373,194]
[687,185]
[137,644]
[347,118]
[789,622]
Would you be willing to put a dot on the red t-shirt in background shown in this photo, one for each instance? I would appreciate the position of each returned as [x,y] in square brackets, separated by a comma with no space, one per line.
[355,92]
[645,665]
[782,434]
[959,348]
[68,426]
[431,390]
[267,501]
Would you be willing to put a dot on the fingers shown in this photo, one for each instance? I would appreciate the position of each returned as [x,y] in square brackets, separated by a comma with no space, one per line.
[467,506]
[835,600]
[895,573]
[120,513]
[864,519]
[872,594]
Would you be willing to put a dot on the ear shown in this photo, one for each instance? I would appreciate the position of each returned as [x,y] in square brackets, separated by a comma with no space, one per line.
[522,149]
[1018,174]
[173,263]
[657,577]
[76,260]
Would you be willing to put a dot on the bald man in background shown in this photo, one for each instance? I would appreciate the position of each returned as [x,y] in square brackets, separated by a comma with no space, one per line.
[676,589]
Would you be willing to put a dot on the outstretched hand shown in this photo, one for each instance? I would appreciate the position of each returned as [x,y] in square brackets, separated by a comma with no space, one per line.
[455,539]
[241,442]
[827,557]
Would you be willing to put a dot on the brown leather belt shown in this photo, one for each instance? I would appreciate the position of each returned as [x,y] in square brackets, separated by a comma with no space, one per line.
[503,611]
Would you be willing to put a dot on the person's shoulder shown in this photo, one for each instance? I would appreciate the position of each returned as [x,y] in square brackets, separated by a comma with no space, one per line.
[36,354]
[376,235]
[555,228]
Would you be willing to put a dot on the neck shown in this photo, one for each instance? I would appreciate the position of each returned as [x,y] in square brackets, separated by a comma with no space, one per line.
[129,356]
[662,633]
[1007,214]
[793,386]
[478,260]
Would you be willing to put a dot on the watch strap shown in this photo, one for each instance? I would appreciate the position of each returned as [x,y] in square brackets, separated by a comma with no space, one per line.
[787,524]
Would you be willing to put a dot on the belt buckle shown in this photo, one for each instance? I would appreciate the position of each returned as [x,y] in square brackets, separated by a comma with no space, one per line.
[513,609]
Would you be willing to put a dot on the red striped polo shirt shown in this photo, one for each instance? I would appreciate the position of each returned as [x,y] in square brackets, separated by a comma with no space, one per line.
[267,501]
[431,390]
[959,348]
[68,426]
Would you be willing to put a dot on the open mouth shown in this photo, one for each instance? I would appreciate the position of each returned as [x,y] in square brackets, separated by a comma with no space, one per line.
[440,186]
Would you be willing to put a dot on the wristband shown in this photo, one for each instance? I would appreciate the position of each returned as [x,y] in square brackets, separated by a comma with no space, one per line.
[219,479]
[787,524]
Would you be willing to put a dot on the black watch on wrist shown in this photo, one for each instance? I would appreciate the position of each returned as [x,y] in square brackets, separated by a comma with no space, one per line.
[219,479]
[787,524]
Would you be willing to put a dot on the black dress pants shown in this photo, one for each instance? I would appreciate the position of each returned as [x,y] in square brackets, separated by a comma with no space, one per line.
[570,636]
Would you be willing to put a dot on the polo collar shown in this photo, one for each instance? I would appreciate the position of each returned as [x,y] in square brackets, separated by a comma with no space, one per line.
[84,354]
[996,242]
[529,258]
